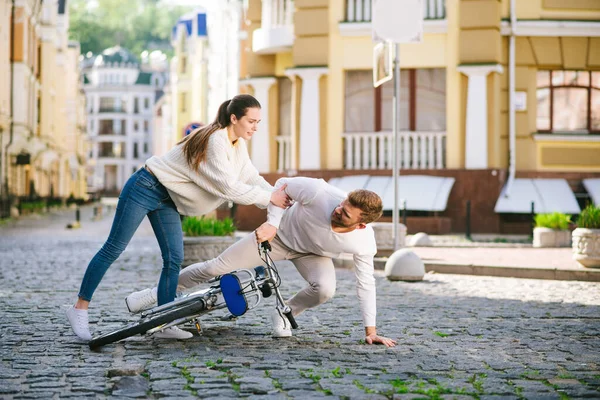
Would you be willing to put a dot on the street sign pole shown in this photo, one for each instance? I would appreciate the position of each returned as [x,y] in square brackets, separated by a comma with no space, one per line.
[395,22]
[396,143]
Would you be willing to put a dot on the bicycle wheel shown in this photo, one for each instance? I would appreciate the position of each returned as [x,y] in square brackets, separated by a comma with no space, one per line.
[147,323]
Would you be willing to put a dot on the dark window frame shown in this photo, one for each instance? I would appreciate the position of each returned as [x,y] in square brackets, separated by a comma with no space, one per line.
[551,87]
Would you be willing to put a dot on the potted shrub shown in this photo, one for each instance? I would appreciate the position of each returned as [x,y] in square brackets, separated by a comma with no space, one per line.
[586,238]
[552,230]
[205,238]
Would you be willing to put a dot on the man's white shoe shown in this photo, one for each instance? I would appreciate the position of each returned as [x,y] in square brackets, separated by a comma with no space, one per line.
[142,300]
[173,333]
[79,323]
[281,325]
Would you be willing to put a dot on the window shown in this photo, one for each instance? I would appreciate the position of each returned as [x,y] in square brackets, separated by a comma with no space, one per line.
[135,150]
[422,101]
[146,103]
[146,126]
[136,106]
[107,104]
[568,101]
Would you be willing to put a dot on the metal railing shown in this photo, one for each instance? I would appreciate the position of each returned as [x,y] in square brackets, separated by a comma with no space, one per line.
[360,10]
[373,150]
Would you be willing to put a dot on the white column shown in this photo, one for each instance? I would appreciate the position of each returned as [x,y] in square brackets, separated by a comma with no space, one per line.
[261,143]
[310,121]
[476,140]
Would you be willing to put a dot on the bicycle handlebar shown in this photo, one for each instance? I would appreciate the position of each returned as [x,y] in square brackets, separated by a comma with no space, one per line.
[266,246]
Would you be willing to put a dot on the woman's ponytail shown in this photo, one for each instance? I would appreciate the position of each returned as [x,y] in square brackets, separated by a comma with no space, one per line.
[195,145]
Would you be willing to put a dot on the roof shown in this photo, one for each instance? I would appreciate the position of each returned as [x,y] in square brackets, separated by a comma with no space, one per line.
[194,19]
[547,195]
[116,55]
[143,78]
[593,188]
[421,192]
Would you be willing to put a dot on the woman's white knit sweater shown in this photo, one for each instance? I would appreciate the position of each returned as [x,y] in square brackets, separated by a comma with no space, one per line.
[226,174]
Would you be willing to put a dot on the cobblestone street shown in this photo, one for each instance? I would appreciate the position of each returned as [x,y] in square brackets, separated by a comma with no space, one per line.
[458,336]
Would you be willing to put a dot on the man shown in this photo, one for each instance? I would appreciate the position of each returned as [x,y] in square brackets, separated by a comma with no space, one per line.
[322,223]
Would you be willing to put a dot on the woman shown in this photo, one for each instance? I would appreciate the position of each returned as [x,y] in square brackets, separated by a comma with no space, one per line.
[208,167]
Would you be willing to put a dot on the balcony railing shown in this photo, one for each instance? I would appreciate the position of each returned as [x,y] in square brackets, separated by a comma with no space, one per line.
[373,150]
[112,110]
[284,153]
[360,10]
[276,32]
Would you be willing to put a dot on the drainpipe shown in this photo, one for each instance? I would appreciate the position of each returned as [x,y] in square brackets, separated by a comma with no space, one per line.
[512,169]
[12,98]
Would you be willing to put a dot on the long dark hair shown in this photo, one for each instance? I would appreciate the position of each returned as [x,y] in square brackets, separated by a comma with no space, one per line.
[195,145]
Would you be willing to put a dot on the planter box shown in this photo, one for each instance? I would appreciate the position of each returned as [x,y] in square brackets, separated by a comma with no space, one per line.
[546,237]
[202,248]
[586,247]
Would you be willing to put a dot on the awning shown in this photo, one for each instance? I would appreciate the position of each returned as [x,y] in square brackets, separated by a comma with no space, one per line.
[548,195]
[19,145]
[421,192]
[593,188]
[47,158]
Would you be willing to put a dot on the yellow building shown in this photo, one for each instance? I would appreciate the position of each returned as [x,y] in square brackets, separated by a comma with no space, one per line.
[497,95]
[5,98]
[189,86]
[44,146]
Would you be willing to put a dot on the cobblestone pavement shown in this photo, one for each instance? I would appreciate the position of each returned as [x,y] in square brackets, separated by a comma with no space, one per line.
[458,336]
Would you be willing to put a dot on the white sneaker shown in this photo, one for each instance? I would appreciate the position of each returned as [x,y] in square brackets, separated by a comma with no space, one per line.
[79,323]
[281,325]
[142,300]
[173,333]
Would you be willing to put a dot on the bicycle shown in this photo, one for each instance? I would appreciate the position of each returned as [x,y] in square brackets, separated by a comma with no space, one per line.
[232,290]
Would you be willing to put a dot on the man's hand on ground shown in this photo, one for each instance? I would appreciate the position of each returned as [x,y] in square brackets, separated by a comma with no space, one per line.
[265,232]
[376,339]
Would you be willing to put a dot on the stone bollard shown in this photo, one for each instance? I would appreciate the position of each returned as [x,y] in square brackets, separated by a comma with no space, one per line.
[404,265]
[420,239]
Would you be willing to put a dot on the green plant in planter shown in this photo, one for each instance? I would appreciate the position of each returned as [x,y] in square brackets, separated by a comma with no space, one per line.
[194,226]
[555,220]
[589,217]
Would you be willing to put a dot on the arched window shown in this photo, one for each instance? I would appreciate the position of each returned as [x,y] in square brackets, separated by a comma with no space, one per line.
[568,101]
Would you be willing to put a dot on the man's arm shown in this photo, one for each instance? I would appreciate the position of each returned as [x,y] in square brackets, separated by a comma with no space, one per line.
[299,189]
[365,290]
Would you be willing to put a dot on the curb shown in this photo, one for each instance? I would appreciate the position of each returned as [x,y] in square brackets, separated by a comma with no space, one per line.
[588,275]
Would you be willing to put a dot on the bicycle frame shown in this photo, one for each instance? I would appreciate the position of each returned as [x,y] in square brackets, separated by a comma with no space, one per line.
[254,285]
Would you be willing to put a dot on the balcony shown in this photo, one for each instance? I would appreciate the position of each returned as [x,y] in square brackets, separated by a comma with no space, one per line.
[276,33]
[112,110]
[360,10]
[373,150]
[358,17]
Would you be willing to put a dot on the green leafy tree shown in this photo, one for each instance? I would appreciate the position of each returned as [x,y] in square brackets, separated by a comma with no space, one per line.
[137,25]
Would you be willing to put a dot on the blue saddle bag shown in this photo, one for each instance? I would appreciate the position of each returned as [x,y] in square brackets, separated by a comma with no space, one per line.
[232,292]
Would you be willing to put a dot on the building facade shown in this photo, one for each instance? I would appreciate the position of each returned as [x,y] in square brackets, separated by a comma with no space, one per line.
[500,100]
[121,93]
[205,68]
[42,150]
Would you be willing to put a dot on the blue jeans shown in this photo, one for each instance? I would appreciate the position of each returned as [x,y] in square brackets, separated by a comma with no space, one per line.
[142,195]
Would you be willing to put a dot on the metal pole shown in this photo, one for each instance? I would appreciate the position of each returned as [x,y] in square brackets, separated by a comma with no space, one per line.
[396,141]
[468,221]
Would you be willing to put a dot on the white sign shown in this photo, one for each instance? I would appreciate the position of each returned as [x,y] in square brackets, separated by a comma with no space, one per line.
[397,21]
[382,63]
[520,101]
